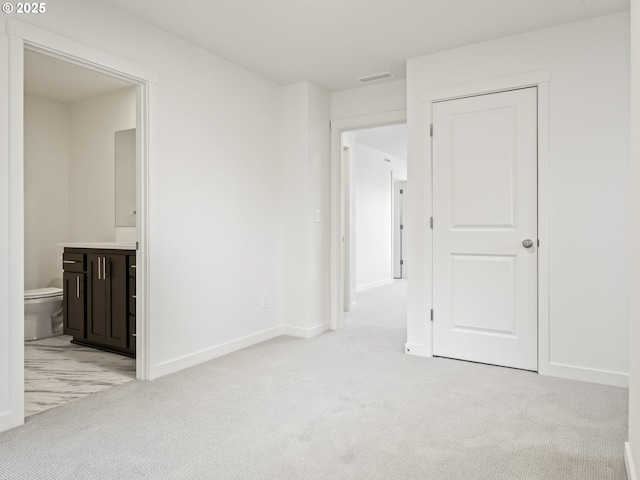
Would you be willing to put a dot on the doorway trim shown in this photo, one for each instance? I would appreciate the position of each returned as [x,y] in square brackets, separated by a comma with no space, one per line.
[338,127]
[23,36]
[541,80]
[347,199]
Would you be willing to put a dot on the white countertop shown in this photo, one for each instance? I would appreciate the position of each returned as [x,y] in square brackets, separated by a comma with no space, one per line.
[103,245]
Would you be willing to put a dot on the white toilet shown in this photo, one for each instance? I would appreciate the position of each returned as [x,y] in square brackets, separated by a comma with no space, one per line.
[42,313]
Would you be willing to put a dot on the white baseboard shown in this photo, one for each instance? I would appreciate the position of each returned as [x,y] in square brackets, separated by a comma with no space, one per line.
[306,332]
[417,350]
[9,420]
[369,286]
[186,361]
[604,377]
[632,473]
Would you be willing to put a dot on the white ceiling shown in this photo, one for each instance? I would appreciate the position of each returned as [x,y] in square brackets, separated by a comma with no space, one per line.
[64,82]
[391,139]
[332,42]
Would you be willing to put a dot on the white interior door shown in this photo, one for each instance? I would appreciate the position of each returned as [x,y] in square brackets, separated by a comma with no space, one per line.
[484,215]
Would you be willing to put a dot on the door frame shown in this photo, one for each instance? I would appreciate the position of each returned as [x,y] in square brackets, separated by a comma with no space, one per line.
[23,36]
[398,198]
[541,80]
[348,241]
[337,258]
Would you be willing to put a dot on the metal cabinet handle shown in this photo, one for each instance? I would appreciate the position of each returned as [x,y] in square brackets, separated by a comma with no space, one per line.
[133,296]
[99,268]
[104,268]
[78,287]
[134,335]
[68,261]
[133,266]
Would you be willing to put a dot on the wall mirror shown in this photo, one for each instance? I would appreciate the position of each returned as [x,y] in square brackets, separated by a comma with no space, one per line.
[125,178]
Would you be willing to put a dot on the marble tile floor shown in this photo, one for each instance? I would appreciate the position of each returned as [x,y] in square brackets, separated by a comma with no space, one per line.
[57,371]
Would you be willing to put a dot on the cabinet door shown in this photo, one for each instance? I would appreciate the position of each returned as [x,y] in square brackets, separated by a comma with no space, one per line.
[116,334]
[96,298]
[132,303]
[73,307]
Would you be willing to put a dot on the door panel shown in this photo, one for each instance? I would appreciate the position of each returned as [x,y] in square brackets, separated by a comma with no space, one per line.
[484,206]
[478,305]
[482,168]
[117,298]
[74,303]
[96,299]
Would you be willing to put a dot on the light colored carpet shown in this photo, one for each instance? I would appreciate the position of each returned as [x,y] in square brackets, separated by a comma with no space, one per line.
[345,405]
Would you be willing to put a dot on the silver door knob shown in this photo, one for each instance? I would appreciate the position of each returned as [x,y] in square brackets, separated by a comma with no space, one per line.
[527,243]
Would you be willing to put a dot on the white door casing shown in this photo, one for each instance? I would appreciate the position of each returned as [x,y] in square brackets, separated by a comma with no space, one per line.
[348,272]
[484,207]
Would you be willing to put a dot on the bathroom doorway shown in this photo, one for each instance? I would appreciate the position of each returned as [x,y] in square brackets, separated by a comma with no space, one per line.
[71,116]
[21,37]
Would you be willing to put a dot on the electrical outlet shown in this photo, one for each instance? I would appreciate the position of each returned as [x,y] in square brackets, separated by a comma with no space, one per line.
[264,300]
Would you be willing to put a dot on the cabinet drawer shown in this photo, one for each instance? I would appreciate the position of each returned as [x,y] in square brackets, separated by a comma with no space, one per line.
[73,262]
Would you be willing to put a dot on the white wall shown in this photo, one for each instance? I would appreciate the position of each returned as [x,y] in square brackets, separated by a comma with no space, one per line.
[319,160]
[589,192]
[633,447]
[92,126]
[215,197]
[369,100]
[305,174]
[46,190]
[372,215]
[296,214]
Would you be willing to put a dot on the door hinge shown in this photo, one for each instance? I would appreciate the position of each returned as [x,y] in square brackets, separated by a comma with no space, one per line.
[431,223]
[431,129]
[137,245]
[401,262]
[401,191]
[401,227]
[432,314]
[538,242]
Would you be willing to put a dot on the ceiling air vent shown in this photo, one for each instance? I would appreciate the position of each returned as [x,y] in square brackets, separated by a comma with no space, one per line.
[376,77]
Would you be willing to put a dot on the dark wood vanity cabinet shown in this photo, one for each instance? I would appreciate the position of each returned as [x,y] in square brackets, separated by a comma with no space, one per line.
[132,300]
[106,303]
